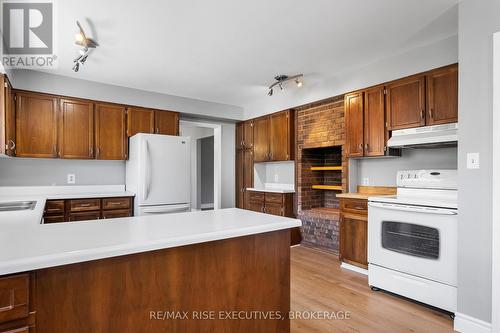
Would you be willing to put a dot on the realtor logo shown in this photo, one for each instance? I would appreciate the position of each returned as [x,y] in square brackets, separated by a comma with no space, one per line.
[28,34]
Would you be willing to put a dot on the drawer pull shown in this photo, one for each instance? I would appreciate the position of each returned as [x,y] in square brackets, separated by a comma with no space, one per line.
[115,203]
[7,308]
[84,205]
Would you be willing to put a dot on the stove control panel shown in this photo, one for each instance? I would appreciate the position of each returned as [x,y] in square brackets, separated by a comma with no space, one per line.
[436,179]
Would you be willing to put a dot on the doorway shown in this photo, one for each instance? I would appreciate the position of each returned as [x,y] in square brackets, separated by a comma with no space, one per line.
[205,163]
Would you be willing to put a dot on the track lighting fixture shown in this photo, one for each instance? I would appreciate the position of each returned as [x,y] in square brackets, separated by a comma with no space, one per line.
[86,44]
[281,79]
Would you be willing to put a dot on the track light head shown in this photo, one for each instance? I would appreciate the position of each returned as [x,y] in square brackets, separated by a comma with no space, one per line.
[76,67]
[281,79]
[270,93]
[298,82]
[281,86]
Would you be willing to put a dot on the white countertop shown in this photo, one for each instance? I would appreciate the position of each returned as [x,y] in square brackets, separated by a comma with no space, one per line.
[36,246]
[271,190]
[40,194]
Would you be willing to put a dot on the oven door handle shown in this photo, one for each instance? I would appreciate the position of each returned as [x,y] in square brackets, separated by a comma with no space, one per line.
[413,209]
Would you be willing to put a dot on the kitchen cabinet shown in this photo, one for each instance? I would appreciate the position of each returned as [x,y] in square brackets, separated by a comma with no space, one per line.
[166,122]
[279,204]
[354,232]
[442,96]
[244,135]
[15,304]
[244,176]
[76,129]
[353,109]
[36,125]
[375,134]
[405,102]
[274,137]
[140,120]
[72,210]
[110,132]
[7,118]
[261,139]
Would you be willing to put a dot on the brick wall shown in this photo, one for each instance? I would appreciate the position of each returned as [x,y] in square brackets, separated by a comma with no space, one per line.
[320,141]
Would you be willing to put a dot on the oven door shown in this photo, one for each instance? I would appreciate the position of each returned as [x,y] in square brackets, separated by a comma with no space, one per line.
[416,240]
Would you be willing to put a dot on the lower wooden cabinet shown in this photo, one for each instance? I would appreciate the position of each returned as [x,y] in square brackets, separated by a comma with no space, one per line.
[16,315]
[354,232]
[73,210]
[280,204]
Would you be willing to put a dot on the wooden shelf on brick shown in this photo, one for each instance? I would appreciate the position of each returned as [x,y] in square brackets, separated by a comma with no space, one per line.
[326,168]
[327,187]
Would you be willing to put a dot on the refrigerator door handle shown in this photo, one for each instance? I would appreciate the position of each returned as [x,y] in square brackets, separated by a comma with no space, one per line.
[147,167]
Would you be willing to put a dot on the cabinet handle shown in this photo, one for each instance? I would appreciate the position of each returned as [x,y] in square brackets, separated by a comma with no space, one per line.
[157,130]
[97,152]
[361,146]
[366,147]
[12,144]
[422,114]
[430,113]
[84,205]
[91,151]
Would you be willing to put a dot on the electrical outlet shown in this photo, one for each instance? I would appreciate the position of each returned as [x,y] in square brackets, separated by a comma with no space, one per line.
[472,160]
[276,178]
[366,181]
[71,178]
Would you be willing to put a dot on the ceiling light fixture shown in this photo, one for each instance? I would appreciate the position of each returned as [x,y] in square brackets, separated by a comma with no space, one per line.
[86,44]
[280,79]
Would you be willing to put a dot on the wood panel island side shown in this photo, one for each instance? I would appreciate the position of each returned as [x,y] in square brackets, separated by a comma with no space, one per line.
[217,271]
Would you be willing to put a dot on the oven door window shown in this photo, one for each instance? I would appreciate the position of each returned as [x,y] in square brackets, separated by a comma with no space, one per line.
[412,239]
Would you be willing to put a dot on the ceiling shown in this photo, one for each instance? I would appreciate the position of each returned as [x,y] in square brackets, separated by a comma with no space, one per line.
[228,51]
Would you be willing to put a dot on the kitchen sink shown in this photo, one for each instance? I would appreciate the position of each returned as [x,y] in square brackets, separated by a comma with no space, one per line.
[17,205]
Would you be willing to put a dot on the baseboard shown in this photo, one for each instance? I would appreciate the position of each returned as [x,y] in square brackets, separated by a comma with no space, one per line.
[468,324]
[207,205]
[354,268]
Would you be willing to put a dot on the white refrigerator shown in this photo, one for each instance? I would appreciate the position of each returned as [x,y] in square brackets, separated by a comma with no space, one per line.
[158,171]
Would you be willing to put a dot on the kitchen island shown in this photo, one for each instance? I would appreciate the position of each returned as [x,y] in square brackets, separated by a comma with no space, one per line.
[224,270]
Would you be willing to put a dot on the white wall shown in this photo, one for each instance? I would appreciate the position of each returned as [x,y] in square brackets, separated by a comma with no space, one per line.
[478,20]
[382,171]
[418,60]
[274,172]
[61,85]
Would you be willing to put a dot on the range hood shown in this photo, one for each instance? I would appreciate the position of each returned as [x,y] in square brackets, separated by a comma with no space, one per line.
[425,137]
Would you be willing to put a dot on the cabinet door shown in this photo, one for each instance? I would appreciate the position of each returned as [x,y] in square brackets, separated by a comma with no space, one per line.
[166,122]
[248,134]
[113,214]
[255,201]
[405,103]
[84,216]
[274,209]
[53,219]
[353,106]
[76,129]
[239,135]
[140,120]
[353,239]
[36,125]
[261,139]
[239,166]
[110,132]
[374,122]
[279,136]
[247,171]
[442,96]
[7,119]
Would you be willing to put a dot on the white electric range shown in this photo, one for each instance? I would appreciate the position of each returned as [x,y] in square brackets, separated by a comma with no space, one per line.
[412,238]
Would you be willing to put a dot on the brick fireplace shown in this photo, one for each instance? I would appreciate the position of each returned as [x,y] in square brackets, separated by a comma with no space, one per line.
[321,171]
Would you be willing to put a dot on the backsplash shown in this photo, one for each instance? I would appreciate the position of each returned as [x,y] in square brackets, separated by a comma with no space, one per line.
[274,172]
[47,172]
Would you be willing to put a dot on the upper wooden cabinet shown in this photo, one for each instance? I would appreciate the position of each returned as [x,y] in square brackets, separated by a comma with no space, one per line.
[353,106]
[166,122]
[261,139]
[110,132]
[244,135]
[375,133]
[36,125]
[140,120]
[442,96]
[7,118]
[274,137]
[76,129]
[405,103]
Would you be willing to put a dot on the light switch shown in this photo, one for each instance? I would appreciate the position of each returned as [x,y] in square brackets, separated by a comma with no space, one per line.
[71,178]
[366,181]
[472,160]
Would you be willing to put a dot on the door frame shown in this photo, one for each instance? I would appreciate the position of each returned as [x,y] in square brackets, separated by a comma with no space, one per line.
[217,156]
[495,246]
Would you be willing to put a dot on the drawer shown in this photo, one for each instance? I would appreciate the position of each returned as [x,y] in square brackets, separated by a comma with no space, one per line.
[14,297]
[24,329]
[256,196]
[112,214]
[83,216]
[53,219]
[274,198]
[82,205]
[54,207]
[116,203]
[274,209]
[356,206]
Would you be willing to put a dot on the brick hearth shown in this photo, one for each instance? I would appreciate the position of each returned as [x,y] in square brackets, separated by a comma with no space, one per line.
[320,142]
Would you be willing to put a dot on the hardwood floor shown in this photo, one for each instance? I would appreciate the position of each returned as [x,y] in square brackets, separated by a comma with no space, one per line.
[319,284]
